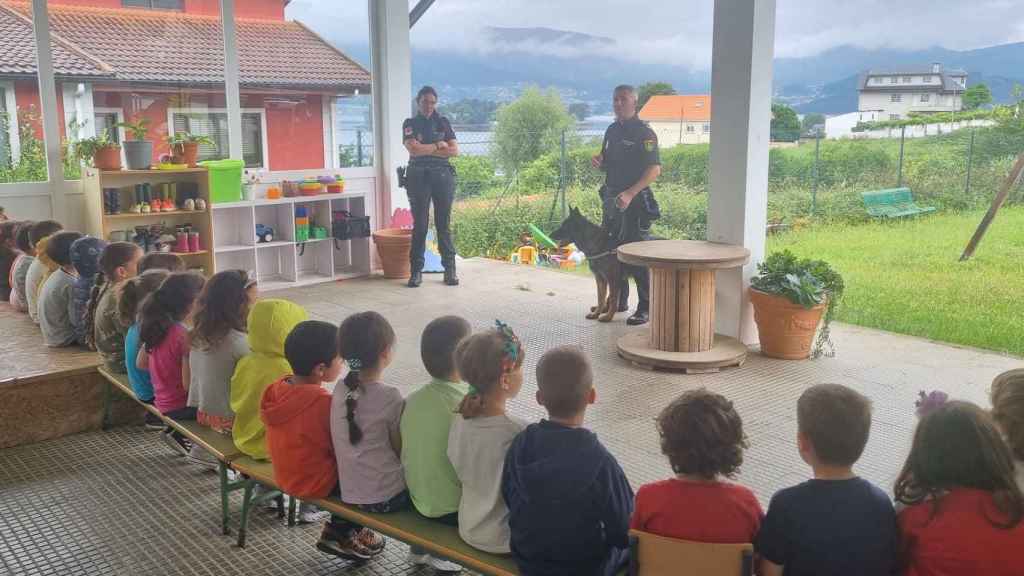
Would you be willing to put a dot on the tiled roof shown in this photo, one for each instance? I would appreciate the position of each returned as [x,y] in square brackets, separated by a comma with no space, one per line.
[171,47]
[689,107]
[18,52]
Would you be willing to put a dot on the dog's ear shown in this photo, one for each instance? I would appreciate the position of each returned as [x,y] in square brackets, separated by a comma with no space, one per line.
[573,210]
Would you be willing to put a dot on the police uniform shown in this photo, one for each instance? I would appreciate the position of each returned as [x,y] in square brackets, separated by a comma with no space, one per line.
[430,179]
[630,147]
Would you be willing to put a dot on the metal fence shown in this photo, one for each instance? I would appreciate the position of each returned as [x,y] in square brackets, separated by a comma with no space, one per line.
[809,180]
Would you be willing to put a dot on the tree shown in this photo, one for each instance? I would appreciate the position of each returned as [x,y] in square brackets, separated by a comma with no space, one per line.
[580,110]
[470,111]
[977,96]
[812,120]
[645,91]
[528,127]
[785,124]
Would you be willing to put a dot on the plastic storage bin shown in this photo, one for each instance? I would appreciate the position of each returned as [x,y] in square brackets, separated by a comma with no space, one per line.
[225,179]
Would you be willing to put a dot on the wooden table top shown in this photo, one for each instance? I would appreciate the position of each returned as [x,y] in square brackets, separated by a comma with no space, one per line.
[692,254]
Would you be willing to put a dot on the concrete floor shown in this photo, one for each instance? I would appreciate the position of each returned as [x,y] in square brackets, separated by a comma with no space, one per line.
[118,503]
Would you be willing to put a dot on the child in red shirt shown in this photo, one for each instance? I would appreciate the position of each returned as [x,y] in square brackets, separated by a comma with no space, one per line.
[296,411]
[964,510]
[702,435]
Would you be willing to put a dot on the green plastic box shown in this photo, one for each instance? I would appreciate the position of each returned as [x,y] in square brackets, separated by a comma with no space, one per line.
[225,179]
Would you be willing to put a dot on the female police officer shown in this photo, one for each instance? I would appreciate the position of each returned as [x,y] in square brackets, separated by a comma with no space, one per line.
[430,140]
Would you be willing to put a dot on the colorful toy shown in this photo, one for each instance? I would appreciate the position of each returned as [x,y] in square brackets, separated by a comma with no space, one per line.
[336,185]
[264,233]
[301,224]
[541,237]
[318,232]
[310,187]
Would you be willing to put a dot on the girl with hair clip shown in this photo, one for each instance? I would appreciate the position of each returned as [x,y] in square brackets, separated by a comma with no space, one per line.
[964,512]
[365,416]
[492,363]
[103,328]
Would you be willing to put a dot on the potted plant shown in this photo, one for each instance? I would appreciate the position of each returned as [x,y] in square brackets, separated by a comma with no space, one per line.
[790,295]
[100,151]
[138,152]
[185,147]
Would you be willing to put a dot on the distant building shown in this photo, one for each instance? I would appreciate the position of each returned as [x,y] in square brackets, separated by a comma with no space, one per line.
[684,119]
[893,94]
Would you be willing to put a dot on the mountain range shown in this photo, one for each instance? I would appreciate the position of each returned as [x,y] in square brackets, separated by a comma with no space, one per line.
[826,82]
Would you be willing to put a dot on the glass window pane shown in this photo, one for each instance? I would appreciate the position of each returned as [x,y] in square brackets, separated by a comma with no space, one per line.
[22,153]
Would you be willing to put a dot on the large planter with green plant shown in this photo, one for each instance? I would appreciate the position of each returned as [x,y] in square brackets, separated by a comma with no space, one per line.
[789,296]
[100,151]
[185,147]
[138,153]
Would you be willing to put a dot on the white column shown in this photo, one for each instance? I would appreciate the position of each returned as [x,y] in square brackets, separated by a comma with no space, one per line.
[391,67]
[232,94]
[51,118]
[741,94]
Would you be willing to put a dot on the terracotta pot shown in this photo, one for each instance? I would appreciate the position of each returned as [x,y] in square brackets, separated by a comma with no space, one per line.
[393,246]
[108,158]
[786,329]
[190,154]
[177,154]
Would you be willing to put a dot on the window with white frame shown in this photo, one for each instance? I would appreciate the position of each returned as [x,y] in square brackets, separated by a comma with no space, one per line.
[892,79]
[707,128]
[108,121]
[896,98]
[7,121]
[689,128]
[907,79]
[214,124]
[926,97]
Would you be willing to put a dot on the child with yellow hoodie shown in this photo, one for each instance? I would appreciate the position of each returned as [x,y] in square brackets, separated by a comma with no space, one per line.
[270,322]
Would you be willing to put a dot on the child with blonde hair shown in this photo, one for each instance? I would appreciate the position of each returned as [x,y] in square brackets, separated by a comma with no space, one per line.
[492,363]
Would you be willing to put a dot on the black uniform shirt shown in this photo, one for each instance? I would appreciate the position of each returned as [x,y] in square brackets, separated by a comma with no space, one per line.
[629,148]
[425,130]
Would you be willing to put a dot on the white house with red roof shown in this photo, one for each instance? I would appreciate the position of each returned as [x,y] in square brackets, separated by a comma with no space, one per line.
[163,60]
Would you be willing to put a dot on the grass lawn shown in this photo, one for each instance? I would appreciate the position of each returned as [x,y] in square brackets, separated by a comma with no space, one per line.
[905,276]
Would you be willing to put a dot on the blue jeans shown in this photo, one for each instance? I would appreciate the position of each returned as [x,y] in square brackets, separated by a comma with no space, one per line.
[397,502]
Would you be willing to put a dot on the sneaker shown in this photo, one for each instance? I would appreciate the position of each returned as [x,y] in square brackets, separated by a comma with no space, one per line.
[153,422]
[309,513]
[176,441]
[344,546]
[438,564]
[197,455]
[370,539]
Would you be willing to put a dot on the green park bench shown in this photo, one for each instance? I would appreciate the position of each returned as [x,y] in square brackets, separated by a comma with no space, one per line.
[893,203]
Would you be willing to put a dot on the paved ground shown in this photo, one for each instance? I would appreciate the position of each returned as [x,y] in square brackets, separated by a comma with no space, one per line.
[118,503]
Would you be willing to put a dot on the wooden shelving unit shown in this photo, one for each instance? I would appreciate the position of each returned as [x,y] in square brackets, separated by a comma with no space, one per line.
[102,225]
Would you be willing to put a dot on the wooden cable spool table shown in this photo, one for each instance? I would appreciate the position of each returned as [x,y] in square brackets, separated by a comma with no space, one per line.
[682,335]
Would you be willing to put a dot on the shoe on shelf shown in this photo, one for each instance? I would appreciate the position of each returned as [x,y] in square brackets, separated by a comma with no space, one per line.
[175,441]
[200,457]
[153,422]
[344,546]
[371,539]
[639,317]
[309,513]
[146,208]
[136,209]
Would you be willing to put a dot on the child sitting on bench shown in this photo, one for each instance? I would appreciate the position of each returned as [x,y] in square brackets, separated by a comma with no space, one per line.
[119,262]
[55,296]
[269,323]
[297,413]
[41,265]
[1008,412]
[492,363]
[702,436]
[568,498]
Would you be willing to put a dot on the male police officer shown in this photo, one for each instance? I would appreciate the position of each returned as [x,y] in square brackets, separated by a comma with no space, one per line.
[430,140]
[629,158]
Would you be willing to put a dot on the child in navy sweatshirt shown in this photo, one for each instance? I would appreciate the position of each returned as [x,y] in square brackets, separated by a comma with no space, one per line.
[568,499]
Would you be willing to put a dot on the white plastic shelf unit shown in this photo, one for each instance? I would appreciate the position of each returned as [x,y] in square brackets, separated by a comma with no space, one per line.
[283,263]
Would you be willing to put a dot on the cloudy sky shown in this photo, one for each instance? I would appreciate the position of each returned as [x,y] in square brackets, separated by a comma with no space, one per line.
[679,31]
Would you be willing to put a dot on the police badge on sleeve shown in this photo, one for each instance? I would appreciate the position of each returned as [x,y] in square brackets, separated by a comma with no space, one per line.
[649,145]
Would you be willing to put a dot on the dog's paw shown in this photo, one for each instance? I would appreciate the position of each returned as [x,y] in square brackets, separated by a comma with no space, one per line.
[606,317]
[592,315]
[593,310]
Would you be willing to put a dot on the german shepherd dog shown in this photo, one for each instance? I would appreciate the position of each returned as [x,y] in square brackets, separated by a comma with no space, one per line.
[597,244]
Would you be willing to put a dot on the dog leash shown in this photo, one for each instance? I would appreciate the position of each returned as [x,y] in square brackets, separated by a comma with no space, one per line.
[602,255]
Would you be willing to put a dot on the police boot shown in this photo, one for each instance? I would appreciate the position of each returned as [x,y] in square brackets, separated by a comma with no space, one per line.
[449,275]
[415,279]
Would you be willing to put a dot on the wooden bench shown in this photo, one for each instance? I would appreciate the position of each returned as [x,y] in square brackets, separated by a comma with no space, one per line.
[893,203]
[220,445]
[653,555]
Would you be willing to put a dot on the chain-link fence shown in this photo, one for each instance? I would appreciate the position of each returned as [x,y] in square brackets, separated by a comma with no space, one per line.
[811,179]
